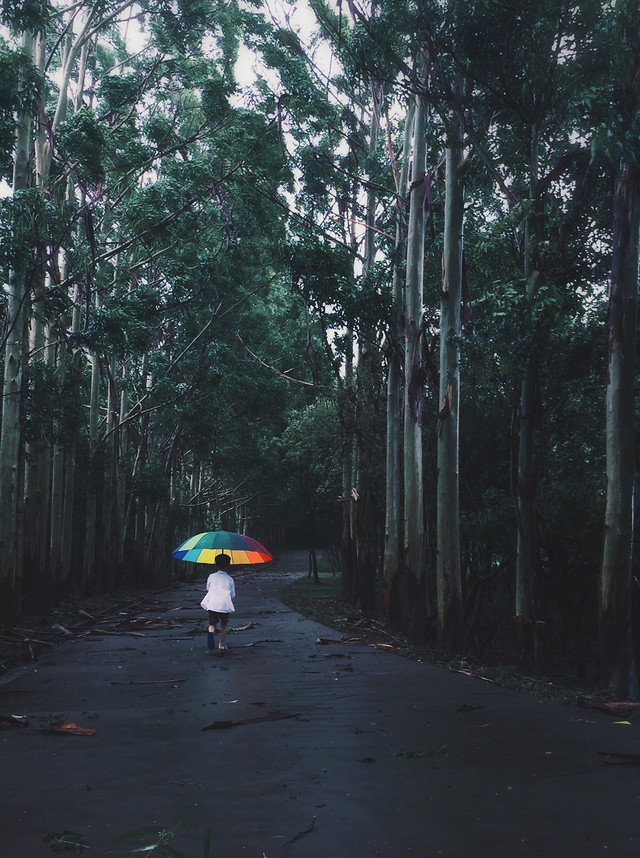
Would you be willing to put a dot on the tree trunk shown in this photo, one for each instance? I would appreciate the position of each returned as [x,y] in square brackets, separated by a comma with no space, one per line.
[412,592]
[450,625]
[89,582]
[10,432]
[363,587]
[37,485]
[393,478]
[615,604]
[527,487]
[348,477]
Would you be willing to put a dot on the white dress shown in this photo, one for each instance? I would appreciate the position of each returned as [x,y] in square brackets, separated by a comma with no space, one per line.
[221,592]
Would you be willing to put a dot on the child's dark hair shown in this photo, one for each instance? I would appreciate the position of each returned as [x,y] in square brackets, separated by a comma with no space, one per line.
[223,561]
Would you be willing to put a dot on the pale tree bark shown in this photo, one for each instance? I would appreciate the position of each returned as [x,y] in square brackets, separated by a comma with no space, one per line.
[36,495]
[393,472]
[347,409]
[414,537]
[15,340]
[42,560]
[619,663]
[450,621]
[363,584]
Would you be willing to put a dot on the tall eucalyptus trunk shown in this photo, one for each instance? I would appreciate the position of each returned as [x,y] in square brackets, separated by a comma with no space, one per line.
[89,582]
[619,663]
[15,340]
[363,585]
[393,471]
[37,481]
[450,620]
[527,486]
[70,456]
[108,518]
[414,536]
[347,551]
[121,446]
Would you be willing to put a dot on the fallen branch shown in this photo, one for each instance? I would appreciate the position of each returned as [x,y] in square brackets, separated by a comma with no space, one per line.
[473,675]
[272,716]
[299,835]
[612,708]
[148,682]
[613,759]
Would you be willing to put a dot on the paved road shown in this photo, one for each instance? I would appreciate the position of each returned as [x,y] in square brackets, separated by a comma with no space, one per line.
[313,750]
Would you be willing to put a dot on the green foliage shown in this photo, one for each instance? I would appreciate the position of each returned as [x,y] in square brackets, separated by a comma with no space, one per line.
[160,842]
[19,88]
[215,104]
[21,217]
[83,140]
[66,841]
[25,15]
[117,93]
[377,48]
[150,482]
[307,472]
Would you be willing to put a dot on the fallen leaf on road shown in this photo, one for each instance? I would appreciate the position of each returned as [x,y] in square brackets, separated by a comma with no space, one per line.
[342,671]
[65,840]
[61,728]
[71,728]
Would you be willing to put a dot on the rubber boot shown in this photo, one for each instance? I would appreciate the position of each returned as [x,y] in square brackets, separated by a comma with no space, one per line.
[211,640]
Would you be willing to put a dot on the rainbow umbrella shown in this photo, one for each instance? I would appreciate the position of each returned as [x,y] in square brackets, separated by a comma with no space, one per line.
[205,547]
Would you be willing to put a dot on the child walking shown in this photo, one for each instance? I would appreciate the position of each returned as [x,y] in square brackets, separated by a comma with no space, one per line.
[218,601]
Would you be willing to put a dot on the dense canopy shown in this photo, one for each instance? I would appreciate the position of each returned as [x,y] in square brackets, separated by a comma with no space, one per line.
[359,277]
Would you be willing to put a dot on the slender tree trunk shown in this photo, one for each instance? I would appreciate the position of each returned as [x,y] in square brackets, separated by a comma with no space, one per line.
[527,488]
[616,581]
[363,589]
[347,560]
[393,478]
[106,561]
[70,458]
[89,582]
[36,501]
[450,624]
[413,597]
[10,433]
[37,484]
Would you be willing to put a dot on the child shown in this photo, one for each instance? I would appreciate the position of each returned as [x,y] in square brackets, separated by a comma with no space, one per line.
[218,601]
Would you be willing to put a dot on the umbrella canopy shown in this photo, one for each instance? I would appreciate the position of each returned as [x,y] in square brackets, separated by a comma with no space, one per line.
[205,547]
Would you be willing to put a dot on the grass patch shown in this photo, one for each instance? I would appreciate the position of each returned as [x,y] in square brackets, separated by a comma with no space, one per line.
[320,601]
